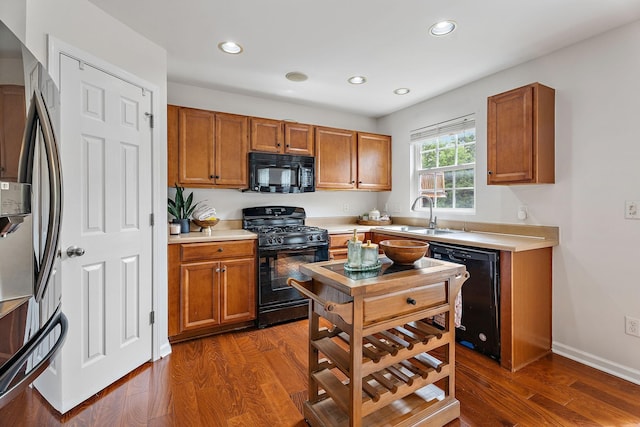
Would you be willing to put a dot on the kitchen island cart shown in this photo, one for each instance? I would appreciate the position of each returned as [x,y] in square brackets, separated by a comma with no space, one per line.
[375,357]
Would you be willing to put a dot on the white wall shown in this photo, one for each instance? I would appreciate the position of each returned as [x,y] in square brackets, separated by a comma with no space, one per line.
[229,203]
[595,273]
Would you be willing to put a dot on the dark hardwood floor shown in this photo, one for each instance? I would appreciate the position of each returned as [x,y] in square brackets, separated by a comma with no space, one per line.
[258,378]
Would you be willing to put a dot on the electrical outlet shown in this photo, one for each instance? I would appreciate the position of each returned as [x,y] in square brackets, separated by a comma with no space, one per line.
[632,209]
[632,326]
[523,213]
[345,207]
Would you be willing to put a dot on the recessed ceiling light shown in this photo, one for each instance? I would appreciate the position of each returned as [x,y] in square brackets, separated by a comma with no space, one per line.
[230,47]
[296,76]
[442,28]
[401,91]
[357,80]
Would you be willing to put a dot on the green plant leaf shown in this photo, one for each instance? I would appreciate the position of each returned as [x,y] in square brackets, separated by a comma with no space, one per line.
[181,208]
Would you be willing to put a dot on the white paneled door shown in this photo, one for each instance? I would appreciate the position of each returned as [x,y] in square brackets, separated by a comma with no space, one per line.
[107,291]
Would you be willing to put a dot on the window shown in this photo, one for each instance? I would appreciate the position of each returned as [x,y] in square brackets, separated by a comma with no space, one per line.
[445,165]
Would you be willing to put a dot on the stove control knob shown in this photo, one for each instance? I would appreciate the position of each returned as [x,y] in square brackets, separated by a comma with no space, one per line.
[310,237]
[280,240]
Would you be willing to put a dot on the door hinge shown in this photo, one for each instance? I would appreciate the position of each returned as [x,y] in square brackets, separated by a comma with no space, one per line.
[150,116]
[151,220]
[152,317]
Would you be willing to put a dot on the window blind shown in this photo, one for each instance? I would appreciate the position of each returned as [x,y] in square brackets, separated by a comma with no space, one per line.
[459,124]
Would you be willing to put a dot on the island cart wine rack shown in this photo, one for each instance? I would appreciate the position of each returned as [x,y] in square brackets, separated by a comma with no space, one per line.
[375,357]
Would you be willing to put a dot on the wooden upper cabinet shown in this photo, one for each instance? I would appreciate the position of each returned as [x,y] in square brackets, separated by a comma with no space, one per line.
[298,139]
[232,145]
[196,147]
[374,162]
[276,136]
[521,136]
[206,149]
[336,158]
[173,113]
[266,135]
[347,160]
[12,120]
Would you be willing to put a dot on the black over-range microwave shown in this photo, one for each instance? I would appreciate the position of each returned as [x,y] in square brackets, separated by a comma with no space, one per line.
[281,173]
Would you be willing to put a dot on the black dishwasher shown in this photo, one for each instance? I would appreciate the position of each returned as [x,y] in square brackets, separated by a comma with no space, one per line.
[480,324]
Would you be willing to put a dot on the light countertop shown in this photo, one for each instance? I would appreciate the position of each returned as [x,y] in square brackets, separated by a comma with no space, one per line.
[214,236]
[488,236]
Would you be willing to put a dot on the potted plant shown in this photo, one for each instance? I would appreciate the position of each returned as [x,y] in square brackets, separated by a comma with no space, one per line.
[181,209]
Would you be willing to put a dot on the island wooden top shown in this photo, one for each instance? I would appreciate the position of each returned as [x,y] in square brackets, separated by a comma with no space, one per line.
[391,278]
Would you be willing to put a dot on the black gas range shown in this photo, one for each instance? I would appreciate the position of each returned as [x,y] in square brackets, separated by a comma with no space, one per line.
[284,242]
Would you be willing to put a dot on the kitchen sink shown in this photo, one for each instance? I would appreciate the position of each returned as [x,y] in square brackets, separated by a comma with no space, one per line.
[403,228]
[419,230]
[436,231]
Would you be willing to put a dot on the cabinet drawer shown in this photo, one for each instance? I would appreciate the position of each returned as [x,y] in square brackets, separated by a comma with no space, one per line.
[404,302]
[340,240]
[216,250]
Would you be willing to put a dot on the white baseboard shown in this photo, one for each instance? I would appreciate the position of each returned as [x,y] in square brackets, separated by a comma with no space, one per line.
[165,349]
[624,372]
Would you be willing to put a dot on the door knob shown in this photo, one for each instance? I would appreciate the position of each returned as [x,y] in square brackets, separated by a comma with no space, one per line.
[73,251]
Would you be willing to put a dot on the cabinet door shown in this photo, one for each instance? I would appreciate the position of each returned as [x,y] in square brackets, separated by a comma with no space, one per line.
[338,244]
[173,112]
[335,158]
[266,135]
[374,162]
[199,295]
[232,144]
[196,147]
[298,139]
[238,283]
[520,136]
[12,120]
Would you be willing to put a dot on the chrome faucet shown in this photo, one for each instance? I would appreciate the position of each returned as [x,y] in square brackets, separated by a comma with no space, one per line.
[433,222]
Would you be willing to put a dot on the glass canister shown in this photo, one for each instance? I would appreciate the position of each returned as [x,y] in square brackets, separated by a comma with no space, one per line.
[354,251]
[369,254]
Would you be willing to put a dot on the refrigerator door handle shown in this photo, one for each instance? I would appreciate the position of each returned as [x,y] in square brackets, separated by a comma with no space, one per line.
[13,366]
[38,113]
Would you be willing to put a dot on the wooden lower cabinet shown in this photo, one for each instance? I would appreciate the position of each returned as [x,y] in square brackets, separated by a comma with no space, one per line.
[212,288]
[338,244]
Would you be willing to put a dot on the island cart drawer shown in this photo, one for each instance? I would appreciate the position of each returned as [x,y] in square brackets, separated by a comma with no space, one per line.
[404,302]
[216,250]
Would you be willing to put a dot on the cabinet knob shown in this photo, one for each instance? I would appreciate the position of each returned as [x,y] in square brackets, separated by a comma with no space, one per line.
[359,182]
[353,182]
[220,249]
[211,176]
[489,172]
[217,176]
[279,144]
[411,301]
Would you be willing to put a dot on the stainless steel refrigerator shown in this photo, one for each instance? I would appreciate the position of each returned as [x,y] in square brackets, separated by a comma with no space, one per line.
[32,327]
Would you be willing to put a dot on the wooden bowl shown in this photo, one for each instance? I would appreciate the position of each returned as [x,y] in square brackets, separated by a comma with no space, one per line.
[205,225]
[404,251]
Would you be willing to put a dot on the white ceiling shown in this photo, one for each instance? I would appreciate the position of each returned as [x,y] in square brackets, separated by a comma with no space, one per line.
[385,40]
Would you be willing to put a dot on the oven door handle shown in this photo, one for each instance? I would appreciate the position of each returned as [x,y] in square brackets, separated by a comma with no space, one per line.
[345,311]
